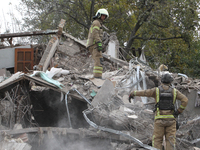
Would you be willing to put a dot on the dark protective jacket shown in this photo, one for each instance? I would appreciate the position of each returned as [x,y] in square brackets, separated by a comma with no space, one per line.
[154,92]
[95,32]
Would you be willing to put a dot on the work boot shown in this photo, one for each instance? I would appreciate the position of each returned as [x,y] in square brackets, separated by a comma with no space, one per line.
[97,75]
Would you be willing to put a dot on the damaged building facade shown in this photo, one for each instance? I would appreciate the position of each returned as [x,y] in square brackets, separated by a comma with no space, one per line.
[58,105]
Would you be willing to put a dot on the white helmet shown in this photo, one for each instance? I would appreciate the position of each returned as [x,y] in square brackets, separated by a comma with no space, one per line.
[101,12]
[167,78]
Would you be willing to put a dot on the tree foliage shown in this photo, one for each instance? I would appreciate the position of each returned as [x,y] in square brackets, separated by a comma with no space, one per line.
[164,29]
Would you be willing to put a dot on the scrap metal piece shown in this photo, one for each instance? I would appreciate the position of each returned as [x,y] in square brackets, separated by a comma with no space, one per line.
[85,112]
[70,124]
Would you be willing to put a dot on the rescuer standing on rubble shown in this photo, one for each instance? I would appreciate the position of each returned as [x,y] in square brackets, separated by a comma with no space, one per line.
[164,122]
[94,42]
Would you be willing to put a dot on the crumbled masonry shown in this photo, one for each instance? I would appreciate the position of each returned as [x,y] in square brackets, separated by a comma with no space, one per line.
[88,113]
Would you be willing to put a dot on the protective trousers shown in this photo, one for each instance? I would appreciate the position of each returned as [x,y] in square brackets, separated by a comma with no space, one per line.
[97,57]
[167,128]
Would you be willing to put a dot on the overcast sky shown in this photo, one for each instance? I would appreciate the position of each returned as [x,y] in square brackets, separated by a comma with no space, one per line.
[6,21]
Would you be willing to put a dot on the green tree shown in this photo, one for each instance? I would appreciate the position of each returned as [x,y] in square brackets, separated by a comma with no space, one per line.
[164,29]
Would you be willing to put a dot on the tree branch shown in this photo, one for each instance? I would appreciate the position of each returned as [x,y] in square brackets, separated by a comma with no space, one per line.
[75,19]
[180,37]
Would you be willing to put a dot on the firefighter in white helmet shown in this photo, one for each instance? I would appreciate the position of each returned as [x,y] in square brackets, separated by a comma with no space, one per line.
[94,42]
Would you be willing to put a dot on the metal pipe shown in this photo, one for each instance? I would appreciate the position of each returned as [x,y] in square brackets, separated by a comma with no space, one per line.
[82,96]
[68,109]
[85,112]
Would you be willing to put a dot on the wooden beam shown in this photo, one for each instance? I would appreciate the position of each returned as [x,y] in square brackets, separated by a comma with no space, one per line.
[115,60]
[48,53]
[51,48]
[33,33]
[60,28]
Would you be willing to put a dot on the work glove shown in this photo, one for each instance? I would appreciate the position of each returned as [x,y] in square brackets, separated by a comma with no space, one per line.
[99,46]
[176,113]
[130,97]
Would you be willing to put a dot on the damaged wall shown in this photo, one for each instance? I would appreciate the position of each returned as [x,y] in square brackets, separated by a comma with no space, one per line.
[7,57]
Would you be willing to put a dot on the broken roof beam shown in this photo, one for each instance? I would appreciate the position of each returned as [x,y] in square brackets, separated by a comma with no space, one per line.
[60,28]
[51,48]
[119,62]
[48,53]
[74,39]
[44,32]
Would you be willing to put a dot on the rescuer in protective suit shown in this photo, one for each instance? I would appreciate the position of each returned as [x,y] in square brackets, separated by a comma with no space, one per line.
[94,42]
[164,121]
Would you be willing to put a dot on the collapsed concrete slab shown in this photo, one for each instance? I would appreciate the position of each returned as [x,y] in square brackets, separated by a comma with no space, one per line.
[104,94]
[110,108]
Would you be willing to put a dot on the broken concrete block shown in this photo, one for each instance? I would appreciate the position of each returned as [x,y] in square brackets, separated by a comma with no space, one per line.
[97,82]
[101,117]
[119,119]
[104,94]
[69,47]
[125,99]
[139,104]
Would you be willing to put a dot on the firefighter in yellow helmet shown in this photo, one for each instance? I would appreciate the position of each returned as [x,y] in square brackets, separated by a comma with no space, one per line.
[165,121]
[94,42]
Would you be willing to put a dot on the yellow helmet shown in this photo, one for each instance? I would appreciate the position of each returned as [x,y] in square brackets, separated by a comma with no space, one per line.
[101,12]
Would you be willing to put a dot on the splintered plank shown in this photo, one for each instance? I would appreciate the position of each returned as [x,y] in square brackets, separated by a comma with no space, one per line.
[51,48]
[48,53]
[60,27]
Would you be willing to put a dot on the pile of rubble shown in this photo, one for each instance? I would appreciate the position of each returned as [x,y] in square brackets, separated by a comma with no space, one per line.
[62,106]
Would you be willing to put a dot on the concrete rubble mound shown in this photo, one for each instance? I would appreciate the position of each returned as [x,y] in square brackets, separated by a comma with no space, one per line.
[60,106]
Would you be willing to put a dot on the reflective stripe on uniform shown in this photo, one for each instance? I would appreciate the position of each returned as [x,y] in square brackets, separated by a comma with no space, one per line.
[97,71]
[182,107]
[164,116]
[135,93]
[98,68]
[174,96]
[157,100]
[95,27]
[157,95]
[153,140]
